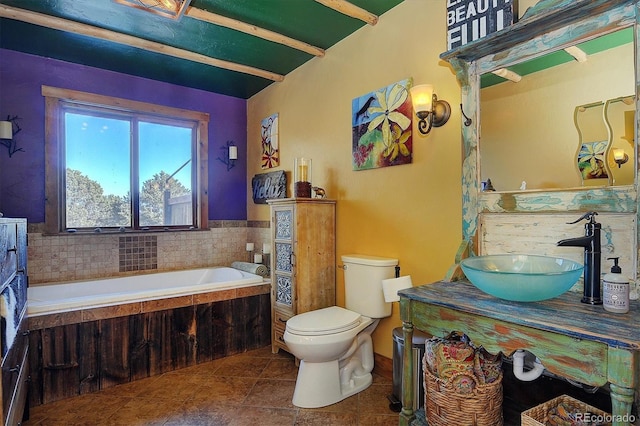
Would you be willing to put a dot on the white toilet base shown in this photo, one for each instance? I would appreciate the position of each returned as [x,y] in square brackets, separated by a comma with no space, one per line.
[318,385]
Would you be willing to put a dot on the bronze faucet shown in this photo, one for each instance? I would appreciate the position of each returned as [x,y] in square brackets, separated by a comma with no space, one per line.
[592,253]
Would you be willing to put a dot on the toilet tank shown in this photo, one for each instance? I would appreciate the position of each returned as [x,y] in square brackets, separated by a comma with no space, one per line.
[363,277]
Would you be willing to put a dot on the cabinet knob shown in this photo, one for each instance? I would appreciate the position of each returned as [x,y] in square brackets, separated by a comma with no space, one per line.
[282,320]
[14,249]
[15,369]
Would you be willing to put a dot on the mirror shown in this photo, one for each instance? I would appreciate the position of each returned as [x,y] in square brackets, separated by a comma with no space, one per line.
[528,138]
[620,117]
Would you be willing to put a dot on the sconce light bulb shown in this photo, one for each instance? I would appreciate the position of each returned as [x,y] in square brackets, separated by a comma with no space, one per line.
[620,157]
[233,152]
[422,98]
[6,130]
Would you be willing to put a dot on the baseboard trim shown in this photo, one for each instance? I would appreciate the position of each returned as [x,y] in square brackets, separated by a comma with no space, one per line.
[383,366]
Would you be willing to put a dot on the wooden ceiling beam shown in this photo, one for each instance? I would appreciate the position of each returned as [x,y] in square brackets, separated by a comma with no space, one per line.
[252,30]
[115,37]
[351,10]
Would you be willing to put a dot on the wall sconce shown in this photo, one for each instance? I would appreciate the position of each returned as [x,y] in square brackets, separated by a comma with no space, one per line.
[230,155]
[7,134]
[431,111]
[619,156]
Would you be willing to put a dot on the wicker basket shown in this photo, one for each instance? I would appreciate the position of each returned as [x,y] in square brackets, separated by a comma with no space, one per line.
[538,415]
[445,407]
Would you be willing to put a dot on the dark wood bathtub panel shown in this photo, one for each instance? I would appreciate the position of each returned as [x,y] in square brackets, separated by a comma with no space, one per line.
[138,347]
[258,325]
[35,370]
[183,337]
[159,337]
[222,333]
[204,332]
[114,352]
[88,355]
[69,360]
[60,364]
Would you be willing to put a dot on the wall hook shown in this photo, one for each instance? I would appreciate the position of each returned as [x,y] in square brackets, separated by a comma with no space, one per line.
[467,120]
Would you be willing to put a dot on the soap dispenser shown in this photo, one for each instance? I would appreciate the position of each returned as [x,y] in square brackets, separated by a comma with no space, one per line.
[615,288]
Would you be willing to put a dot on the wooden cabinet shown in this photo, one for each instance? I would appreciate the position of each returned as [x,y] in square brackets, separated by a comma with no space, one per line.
[13,313]
[303,260]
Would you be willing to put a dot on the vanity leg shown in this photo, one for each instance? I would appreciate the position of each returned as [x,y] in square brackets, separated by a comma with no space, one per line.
[622,365]
[407,415]
[621,400]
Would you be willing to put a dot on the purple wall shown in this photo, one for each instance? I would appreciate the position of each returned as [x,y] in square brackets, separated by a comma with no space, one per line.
[22,183]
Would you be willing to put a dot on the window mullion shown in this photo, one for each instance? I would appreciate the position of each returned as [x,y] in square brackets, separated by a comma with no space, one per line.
[135,174]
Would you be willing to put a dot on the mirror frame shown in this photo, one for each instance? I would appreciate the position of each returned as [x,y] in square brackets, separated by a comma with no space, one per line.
[548,26]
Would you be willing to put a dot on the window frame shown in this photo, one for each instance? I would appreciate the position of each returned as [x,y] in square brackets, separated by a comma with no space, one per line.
[56,99]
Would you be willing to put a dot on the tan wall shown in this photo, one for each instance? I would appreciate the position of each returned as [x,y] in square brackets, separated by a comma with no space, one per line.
[409,212]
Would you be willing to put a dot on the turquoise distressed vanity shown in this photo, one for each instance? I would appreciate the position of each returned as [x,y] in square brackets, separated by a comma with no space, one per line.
[575,340]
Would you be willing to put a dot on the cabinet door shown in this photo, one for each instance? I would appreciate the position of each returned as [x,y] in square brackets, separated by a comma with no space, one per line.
[283,264]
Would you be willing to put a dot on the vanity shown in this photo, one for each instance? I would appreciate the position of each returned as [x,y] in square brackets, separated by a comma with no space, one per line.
[551,182]
[573,340]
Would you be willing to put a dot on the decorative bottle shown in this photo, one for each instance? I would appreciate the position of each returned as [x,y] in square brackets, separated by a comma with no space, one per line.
[615,288]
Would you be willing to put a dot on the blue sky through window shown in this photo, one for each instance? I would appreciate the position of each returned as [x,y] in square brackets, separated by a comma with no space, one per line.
[99,147]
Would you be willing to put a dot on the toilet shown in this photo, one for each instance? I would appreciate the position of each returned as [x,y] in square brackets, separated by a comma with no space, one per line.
[334,344]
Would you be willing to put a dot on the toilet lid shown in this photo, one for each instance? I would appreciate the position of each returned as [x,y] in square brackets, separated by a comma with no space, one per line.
[323,321]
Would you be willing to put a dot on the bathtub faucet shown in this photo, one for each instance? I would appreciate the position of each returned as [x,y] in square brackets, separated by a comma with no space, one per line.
[592,253]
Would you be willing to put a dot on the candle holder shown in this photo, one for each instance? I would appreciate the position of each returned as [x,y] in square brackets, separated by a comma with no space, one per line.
[266,256]
[249,249]
[302,177]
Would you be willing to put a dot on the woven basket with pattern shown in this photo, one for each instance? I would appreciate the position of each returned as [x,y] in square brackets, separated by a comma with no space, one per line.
[445,406]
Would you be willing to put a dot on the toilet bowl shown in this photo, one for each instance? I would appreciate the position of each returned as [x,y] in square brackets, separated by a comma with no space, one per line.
[334,344]
[336,355]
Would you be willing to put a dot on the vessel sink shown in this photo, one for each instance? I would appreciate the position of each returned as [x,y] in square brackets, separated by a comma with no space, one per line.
[521,277]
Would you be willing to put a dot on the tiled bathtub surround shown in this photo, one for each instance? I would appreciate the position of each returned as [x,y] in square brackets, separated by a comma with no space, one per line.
[54,258]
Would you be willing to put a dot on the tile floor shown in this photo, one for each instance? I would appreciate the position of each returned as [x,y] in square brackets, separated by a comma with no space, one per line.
[250,389]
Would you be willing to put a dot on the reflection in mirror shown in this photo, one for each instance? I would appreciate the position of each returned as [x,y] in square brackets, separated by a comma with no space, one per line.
[527,131]
[593,145]
[619,114]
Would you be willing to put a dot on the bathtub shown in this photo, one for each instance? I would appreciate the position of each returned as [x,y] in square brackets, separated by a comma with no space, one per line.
[76,295]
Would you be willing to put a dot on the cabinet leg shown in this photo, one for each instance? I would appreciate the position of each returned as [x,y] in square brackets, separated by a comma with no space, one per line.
[407,415]
[621,401]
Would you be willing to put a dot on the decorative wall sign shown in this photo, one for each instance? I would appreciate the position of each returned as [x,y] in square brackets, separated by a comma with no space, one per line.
[381,127]
[469,20]
[269,135]
[267,186]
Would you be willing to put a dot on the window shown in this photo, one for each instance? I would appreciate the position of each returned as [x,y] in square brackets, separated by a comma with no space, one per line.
[114,164]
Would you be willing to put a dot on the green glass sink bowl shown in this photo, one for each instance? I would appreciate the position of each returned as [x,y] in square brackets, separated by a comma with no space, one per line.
[521,277]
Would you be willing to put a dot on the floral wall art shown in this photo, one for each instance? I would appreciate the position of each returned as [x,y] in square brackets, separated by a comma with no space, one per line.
[591,160]
[269,135]
[381,127]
